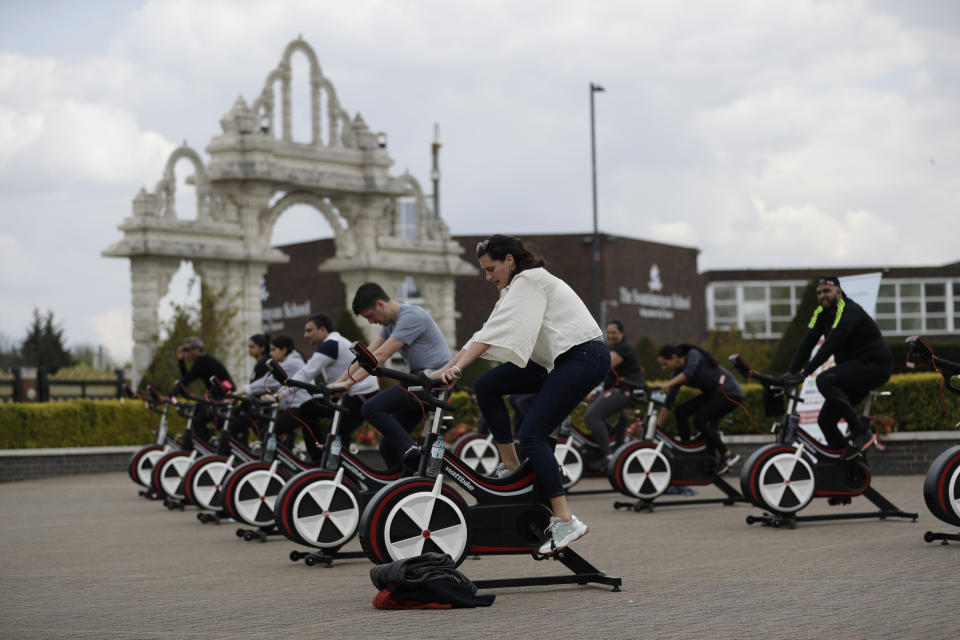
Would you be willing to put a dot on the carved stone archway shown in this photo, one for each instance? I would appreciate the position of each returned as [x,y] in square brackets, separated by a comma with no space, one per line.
[343,172]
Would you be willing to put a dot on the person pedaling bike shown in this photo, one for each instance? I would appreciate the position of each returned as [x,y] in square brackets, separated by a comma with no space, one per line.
[329,361]
[203,367]
[720,394]
[864,362]
[285,353]
[409,330]
[613,399]
[548,344]
[258,347]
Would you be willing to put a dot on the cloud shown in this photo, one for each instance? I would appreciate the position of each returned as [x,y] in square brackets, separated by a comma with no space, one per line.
[114,329]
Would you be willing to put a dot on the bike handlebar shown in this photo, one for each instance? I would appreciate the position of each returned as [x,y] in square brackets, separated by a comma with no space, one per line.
[738,364]
[370,363]
[921,354]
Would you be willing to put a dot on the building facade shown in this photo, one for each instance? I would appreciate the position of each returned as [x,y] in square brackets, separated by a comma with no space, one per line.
[761,303]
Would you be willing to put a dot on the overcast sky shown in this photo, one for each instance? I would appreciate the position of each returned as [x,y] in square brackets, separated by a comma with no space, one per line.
[766,134]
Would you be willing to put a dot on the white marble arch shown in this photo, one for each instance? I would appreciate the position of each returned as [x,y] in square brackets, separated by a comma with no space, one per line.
[345,177]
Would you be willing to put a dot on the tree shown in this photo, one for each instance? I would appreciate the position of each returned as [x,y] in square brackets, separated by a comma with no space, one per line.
[722,344]
[43,346]
[209,319]
[783,352]
[348,328]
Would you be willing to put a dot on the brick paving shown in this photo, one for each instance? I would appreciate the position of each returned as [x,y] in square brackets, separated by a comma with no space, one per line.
[85,557]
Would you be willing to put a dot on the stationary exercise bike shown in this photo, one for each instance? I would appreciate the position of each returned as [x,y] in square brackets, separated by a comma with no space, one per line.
[203,481]
[941,484]
[644,469]
[579,455]
[321,507]
[422,513]
[784,477]
[142,462]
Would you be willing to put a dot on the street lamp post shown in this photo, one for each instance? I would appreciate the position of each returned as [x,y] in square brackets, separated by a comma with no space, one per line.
[597,312]
[435,172]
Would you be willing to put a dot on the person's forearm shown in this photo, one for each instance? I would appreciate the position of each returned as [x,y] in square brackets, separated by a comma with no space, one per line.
[466,357]
[676,381]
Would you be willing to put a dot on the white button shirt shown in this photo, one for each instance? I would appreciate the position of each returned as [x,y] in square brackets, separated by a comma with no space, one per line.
[538,317]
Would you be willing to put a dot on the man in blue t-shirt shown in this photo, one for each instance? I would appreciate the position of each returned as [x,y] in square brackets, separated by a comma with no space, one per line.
[411,331]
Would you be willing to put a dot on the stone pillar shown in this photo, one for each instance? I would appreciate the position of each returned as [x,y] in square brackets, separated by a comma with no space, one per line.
[226,278]
[150,278]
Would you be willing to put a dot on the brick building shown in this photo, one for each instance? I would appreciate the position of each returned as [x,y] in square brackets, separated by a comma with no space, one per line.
[653,288]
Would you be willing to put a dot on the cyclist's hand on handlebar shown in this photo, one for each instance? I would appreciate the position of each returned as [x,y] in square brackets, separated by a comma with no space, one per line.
[338,387]
[448,375]
[792,379]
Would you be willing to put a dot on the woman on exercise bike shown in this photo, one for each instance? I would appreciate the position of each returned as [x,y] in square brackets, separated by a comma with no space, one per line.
[548,344]
[720,394]
[258,347]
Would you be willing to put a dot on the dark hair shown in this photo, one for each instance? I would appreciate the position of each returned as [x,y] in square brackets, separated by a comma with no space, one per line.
[498,247]
[283,342]
[616,323]
[261,340]
[321,321]
[668,351]
[366,297]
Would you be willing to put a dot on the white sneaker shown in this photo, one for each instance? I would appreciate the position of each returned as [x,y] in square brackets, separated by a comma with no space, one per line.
[501,471]
[561,534]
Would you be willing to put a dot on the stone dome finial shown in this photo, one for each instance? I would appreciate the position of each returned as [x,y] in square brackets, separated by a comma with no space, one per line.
[240,118]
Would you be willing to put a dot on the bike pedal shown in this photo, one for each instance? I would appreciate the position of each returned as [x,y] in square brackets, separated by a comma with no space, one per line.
[839,500]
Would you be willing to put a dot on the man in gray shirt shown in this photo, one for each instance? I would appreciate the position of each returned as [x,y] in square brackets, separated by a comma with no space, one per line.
[411,331]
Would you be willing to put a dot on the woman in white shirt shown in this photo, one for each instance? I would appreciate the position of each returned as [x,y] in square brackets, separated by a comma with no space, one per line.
[550,345]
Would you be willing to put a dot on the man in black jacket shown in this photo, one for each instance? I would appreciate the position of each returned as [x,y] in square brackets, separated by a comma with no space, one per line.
[204,366]
[864,362]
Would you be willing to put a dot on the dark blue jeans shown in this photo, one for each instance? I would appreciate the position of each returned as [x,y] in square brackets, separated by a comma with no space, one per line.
[394,412]
[574,374]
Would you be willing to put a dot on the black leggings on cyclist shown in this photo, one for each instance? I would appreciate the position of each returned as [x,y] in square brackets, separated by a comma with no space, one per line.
[843,387]
[609,404]
[706,410]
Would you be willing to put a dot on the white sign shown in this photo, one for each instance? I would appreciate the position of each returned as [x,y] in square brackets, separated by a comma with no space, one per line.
[862,289]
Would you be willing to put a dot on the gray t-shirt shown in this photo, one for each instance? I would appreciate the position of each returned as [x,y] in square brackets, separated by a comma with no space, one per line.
[424,346]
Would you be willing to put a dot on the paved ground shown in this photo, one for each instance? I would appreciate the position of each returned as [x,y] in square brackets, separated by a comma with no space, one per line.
[85,557]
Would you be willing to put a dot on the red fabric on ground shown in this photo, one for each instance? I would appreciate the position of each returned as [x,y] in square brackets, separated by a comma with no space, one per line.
[386,600]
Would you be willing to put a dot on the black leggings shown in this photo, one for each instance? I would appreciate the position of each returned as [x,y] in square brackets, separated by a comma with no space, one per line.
[311,412]
[843,387]
[706,409]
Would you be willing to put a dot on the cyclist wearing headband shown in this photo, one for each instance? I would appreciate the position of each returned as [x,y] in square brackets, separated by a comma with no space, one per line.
[864,362]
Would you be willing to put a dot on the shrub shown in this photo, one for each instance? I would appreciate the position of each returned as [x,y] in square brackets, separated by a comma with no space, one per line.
[79,423]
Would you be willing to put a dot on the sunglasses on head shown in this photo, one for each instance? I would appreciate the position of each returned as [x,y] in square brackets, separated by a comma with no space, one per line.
[482,247]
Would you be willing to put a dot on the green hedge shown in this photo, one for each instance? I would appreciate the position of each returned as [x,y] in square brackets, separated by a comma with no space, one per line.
[914,406]
[79,423]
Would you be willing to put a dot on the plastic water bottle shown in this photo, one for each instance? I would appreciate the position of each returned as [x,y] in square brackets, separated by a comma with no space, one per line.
[333,460]
[436,457]
[271,449]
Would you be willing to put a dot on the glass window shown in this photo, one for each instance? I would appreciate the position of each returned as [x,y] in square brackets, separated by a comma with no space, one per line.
[909,307]
[779,326]
[886,307]
[780,293]
[911,290]
[935,289]
[755,326]
[888,291]
[956,289]
[781,310]
[956,305]
[936,324]
[725,312]
[936,306]
[910,324]
[754,293]
[724,293]
[887,324]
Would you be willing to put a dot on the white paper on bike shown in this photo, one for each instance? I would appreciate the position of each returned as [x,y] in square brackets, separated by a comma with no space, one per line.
[862,289]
